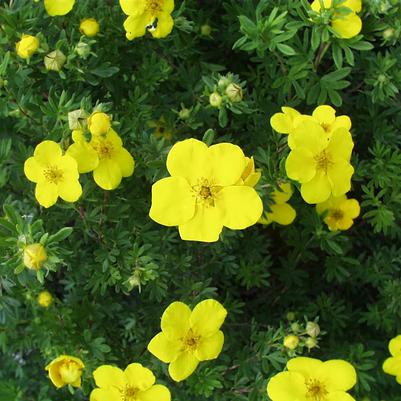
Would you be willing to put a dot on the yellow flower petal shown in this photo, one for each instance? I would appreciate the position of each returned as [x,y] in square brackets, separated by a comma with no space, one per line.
[210,347]
[339,396]
[284,122]
[99,123]
[183,366]
[46,194]
[139,377]
[207,317]
[189,159]
[107,174]
[156,393]
[284,195]
[341,375]
[339,175]
[310,135]
[168,6]
[135,25]
[283,214]
[341,144]
[126,162]
[227,162]
[54,374]
[70,190]
[307,367]
[33,170]
[205,226]
[326,115]
[165,24]
[394,346]
[242,206]
[392,366]
[317,190]
[352,208]
[101,394]
[59,7]
[107,376]
[175,321]
[300,165]
[287,386]
[85,156]
[164,349]
[342,122]
[47,152]
[354,5]
[172,201]
[133,7]
[347,26]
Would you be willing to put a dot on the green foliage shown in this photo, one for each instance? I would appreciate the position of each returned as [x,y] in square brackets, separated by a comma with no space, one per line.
[112,270]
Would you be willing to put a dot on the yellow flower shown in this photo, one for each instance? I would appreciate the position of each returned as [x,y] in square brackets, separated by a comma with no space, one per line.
[284,122]
[319,163]
[89,27]
[347,26]
[54,174]
[98,123]
[201,196]
[341,212]
[45,299]
[115,162]
[189,337]
[392,365]
[249,176]
[27,46]
[314,380]
[84,154]
[280,212]
[135,383]
[326,117]
[58,7]
[291,342]
[64,370]
[152,15]
[34,256]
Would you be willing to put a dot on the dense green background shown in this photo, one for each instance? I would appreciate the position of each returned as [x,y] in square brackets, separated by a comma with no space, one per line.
[350,281]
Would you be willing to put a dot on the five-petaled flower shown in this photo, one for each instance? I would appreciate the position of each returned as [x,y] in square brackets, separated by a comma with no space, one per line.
[321,163]
[151,15]
[346,24]
[202,195]
[309,379]
[189,337]
[59,7]
[392,365]
[135,383]
[55,174]
[64,370]
[341,212]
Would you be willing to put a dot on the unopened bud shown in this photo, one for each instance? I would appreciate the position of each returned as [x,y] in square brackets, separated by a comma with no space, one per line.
[223,83]
[184,113]
[83,49]
[312,329]
[45,299]
[295,327]
[234,93]
[55,60]
[290,316]
[291,342]
[206,30]
[311,342]
[388,33]
[34,256]
[215,100]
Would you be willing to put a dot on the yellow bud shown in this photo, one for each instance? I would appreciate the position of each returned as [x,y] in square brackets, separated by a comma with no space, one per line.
[34,256]
[291,342]
[45,299]
[89,27]
[215,100]
[312,329]
[27,46]
[234,93]
[98,123]
[206,30]
[55,60]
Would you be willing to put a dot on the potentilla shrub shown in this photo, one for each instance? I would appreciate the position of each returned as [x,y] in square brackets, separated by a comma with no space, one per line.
[200,200]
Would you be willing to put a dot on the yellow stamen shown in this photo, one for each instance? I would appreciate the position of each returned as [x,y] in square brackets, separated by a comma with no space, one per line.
[104,149]
[205,192]
[130,394]
[190,341]
[337,214]
[154,6]
[323,161]
[53,174]
[316,390]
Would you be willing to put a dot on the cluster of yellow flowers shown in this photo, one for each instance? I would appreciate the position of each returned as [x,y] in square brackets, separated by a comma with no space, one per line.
[321,145]
[56,174]
[186,338]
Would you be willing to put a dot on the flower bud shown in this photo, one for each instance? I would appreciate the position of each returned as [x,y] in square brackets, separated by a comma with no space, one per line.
[291,342]
[98,123]
[234,93]
[83,49]
[184,113]
[65,370]
[388,33]
[55,60]
[206,30]
[311,342]
[34,256]
[89,27]
[76,119]
[215,99]
[27,46]
[45,299]
[312,329]
[295,327]
[290,316]
[223,83]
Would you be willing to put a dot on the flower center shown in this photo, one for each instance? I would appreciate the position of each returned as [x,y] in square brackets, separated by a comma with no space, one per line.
[104,149]
[323,161]
[316,390]
[130,393]
[325,126]
[69,372]
[205,192]
[337,214]
[53,174]
[154,6]
[191,341]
